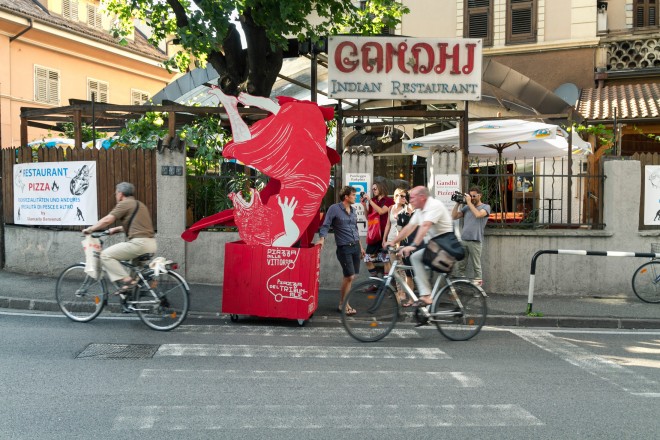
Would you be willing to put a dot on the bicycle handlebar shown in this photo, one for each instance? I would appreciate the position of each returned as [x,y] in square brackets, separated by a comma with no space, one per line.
[100,234]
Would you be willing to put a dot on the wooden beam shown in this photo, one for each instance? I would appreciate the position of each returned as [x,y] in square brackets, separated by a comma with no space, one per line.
[24,131]
[77,129]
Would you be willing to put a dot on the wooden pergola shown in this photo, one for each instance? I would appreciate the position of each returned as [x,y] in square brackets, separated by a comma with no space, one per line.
[112,117]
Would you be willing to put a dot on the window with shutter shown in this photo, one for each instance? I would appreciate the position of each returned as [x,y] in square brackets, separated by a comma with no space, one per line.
[94,17]
[70,9]
[99,89]
[46,85]
[646,13]
[479,20]
[521,21]
[138,97]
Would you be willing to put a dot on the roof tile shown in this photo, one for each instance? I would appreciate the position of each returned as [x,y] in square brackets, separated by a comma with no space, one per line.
[631,101]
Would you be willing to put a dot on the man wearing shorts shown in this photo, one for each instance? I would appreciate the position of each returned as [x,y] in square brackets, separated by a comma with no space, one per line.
[343,219]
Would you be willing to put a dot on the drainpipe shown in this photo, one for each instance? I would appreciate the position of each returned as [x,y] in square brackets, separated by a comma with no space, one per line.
[22,32]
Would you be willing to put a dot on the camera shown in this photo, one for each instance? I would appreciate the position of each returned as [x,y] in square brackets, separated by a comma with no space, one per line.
[458,197]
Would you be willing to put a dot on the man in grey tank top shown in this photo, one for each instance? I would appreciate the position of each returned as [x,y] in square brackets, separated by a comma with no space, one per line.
[475,215]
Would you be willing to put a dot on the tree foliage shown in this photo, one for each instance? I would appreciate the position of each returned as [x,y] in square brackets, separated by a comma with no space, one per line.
[207,31]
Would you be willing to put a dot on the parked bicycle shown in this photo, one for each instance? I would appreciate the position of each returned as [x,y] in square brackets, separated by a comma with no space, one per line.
[646,279]
[458,309]
[160,297]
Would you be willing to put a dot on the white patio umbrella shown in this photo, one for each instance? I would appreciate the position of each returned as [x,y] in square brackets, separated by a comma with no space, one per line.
[510,138]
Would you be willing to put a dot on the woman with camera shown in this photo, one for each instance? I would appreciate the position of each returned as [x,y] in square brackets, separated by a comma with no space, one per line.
[376,209]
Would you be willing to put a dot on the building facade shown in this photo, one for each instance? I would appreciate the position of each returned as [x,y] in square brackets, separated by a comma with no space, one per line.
[55,50]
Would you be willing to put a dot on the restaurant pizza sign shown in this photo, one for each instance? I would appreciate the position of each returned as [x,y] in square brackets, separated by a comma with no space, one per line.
[404,68]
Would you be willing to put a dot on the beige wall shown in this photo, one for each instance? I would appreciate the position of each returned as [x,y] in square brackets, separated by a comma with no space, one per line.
[559,21]
[431,19]
[617,17]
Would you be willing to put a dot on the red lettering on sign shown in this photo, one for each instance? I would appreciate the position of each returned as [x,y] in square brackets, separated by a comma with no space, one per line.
[422,57]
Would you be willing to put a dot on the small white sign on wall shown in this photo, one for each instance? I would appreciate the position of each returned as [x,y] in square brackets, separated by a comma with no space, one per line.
[445,185]
[652,195]
[362,183]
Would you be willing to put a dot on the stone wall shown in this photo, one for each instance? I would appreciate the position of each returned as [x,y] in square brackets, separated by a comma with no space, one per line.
[506,258]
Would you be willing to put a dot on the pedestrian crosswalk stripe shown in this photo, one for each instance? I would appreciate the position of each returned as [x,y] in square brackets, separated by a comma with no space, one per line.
[599,366]
[447,378]
[314,351]
[316,417]
[298,332]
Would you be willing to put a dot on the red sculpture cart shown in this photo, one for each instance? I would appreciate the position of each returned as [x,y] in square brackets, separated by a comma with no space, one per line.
[270,282]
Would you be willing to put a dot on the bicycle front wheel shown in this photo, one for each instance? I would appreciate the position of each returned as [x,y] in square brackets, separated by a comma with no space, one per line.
[646,282]
[370,311]
[80,297]
[459,311]
[165,305]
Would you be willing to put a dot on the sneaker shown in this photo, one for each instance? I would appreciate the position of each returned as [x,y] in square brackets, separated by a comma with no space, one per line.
[478,282]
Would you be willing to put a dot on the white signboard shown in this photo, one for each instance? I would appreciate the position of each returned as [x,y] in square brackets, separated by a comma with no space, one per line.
[445,185]
[404,68]
[652,195]
[362,183]
[55,193]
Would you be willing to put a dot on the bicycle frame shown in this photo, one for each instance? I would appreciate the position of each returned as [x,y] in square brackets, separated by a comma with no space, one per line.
[435,291]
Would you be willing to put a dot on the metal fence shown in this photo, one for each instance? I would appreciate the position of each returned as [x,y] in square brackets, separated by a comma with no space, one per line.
[533,193]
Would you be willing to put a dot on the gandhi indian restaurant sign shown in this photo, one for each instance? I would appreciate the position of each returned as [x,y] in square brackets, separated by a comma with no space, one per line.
[404,68]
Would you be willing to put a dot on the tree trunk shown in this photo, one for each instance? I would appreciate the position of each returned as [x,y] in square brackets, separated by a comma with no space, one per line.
[253,70]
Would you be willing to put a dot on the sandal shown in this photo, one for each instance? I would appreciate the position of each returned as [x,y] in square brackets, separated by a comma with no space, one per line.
[125,287]
[408,303]
[350,311]
[419,303]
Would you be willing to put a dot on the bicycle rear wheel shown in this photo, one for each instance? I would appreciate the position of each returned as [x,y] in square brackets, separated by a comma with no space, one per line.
[165,305]
[79,296]
[376,311]
[459,311]
[646,282]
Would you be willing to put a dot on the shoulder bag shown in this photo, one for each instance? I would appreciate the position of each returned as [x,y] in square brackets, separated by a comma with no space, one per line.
[442,251]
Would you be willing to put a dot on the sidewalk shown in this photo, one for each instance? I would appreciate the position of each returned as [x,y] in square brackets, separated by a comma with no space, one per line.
[34,292]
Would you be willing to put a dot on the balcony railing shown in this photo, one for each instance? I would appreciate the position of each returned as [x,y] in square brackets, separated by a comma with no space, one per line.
[632,53]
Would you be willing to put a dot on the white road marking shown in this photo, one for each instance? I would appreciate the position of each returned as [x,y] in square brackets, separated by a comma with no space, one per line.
[448,378]
[313,351]
[300,332]
[296,417]
[599,366]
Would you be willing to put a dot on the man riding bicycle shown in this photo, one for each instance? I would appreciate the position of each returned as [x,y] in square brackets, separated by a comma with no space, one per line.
[136,222]
[431,218]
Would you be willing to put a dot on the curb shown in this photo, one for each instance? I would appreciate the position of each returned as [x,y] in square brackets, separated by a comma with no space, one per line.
[324,320]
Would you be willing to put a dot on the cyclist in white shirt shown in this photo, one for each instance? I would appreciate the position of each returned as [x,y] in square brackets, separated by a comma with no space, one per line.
[433,219]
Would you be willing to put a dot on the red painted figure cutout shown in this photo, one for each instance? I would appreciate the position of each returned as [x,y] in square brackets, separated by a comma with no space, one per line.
[289,147]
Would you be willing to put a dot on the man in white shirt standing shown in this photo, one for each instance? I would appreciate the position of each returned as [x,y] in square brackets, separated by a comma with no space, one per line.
[431,218]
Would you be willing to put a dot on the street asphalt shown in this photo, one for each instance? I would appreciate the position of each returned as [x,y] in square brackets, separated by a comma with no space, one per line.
[625,310]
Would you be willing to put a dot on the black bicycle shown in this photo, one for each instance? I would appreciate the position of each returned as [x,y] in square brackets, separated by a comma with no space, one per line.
[371,308]
[646,279]
[160,297]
